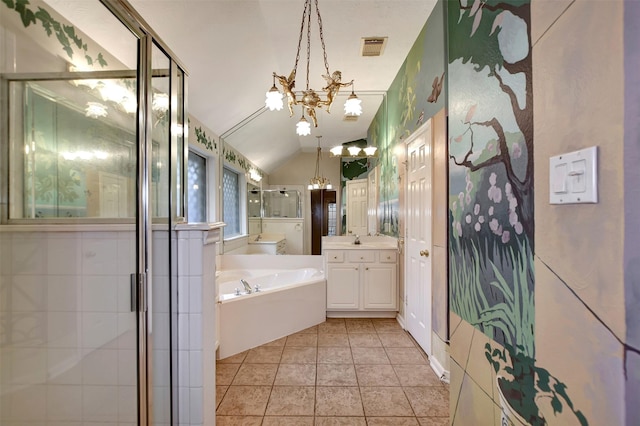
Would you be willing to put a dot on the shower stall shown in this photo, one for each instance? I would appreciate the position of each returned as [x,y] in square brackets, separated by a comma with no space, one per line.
[91,161]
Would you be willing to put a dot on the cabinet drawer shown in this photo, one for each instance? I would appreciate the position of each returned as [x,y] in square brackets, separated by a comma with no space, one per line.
[361,256]
[335,256]
[388,256]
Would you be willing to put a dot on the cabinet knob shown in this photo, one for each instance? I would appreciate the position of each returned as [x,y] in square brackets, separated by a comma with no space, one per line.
[366,269]
[424,253]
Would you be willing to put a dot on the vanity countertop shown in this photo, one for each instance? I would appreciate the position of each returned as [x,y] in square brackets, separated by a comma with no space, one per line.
[366,243]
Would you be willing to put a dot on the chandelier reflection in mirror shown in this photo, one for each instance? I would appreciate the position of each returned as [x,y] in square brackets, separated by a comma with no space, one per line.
[318,181]
[309,99]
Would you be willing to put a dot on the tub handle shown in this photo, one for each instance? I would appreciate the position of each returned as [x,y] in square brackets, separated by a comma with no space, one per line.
[257,288]
[237,291]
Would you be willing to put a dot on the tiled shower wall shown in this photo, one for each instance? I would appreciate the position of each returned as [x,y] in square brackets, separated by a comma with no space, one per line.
[68,337]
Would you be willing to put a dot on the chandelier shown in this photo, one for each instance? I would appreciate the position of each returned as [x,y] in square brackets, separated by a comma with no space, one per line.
[318,181]
[309,99]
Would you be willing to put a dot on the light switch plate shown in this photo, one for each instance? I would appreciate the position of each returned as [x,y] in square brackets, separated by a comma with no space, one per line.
[573,177]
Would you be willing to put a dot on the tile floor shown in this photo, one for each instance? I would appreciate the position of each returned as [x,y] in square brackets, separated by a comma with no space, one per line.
[340,372]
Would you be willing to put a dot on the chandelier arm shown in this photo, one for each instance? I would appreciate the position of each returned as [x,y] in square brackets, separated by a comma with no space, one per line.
[324,50]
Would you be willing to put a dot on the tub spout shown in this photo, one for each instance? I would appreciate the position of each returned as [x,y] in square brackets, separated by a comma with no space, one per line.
[246,285]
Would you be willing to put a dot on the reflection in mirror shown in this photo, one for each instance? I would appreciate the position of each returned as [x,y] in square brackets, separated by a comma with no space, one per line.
[254,208]
[281,203]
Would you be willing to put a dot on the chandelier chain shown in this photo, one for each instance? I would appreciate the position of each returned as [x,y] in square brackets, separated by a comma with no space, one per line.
[304,16]
[309,43]
[324,50]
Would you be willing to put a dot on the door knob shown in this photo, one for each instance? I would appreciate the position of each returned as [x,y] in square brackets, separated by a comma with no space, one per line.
[424,253]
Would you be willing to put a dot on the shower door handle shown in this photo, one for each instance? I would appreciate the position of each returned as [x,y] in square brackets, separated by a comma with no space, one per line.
[138,284]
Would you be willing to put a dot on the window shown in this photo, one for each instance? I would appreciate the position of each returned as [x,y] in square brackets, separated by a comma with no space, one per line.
[231,201]
[197,188]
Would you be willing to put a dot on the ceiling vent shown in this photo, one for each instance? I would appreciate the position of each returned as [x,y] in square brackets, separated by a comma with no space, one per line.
[347,117]
[373,46]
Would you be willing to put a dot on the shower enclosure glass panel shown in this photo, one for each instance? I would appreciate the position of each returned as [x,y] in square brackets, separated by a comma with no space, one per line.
[281,203]
[68,235]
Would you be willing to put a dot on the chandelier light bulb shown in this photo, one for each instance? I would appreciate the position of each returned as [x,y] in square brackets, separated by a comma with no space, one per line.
[303,128]
[353,105]
[336,150]
[274,99]
[354,150]
[370,150]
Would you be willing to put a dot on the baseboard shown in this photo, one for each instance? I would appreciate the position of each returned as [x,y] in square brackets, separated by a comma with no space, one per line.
[400,319]
[442,374]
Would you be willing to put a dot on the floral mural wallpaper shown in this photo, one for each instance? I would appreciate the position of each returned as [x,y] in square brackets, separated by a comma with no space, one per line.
[414,96]
[491,209]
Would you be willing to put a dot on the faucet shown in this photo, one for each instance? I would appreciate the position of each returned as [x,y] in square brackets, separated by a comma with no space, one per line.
[259,237]
[357,240]
[246,285]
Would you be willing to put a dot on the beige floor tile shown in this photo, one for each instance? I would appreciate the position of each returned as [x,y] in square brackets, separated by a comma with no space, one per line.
[405,356]
[385,401]
[396,340]
[391,421]
[433,421]
[287,421]
[428,400]
[338,401]
[255,374]
[220,391]
[416,375]
[264,355]
[238,420]
[291,401]
[386,325]
[277,342]
[332,327]
[244,401]
[336,375]
[313,329]
[333,339]
[334,356]
[341,421]
[364,340]
[305,339]
[369,356]
[225,373]
[376,375]
[299,355]
[233,359]
[359,325]
[296,375]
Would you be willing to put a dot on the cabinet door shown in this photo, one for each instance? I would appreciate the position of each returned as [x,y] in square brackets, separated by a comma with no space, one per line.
[343,288]
[379,285]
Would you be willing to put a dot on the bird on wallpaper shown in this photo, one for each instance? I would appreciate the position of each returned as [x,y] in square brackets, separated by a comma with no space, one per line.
[437,88]
[420,118]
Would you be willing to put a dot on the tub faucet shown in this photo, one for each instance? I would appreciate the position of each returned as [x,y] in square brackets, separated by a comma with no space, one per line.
[357,240]
[246,285]
[258,238]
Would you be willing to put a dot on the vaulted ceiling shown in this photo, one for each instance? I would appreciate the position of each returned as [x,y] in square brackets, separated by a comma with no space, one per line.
[230,49]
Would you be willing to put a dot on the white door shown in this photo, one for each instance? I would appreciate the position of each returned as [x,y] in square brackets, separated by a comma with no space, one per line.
[418,237]
[357,207]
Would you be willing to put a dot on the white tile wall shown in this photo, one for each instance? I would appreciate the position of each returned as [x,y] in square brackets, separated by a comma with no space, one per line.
[196,272]
[70,357]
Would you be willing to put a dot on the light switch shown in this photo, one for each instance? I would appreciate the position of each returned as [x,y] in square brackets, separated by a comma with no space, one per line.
[573,177]
[560,178]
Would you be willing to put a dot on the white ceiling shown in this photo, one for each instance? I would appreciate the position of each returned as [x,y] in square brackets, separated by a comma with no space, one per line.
[230,49]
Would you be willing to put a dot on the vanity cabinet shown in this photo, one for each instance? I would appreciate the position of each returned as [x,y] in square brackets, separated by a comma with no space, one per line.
[361,280]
